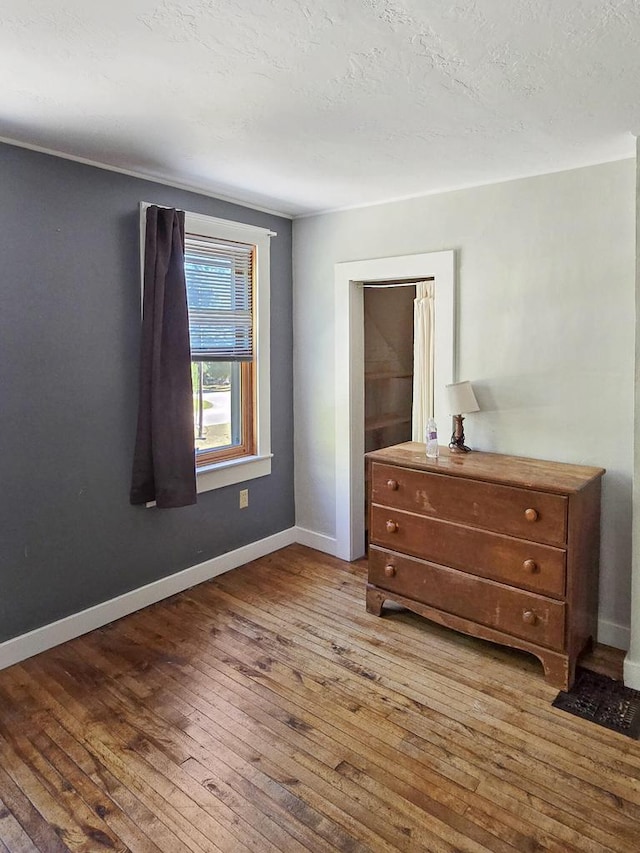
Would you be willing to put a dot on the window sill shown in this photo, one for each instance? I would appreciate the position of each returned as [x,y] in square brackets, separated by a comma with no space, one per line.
[229,472]
[232,471]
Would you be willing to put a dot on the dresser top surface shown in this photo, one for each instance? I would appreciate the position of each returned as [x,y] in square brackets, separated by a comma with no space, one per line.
[539,474]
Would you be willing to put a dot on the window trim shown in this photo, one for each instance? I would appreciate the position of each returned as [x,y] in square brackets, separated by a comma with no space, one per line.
[239,469]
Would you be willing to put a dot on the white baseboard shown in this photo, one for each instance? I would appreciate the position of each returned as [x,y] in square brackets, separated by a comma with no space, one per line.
[32,643]
[326,544]
[612,634]
[26,645]
[632,673]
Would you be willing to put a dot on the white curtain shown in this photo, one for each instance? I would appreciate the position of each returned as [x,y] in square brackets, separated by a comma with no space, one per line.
[423,328]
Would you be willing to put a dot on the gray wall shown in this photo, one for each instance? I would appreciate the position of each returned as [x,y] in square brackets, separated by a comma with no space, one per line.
[69,355]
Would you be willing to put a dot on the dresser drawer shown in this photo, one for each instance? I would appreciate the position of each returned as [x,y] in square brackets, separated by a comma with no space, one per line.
[505,509]
[522,614]
[530,565]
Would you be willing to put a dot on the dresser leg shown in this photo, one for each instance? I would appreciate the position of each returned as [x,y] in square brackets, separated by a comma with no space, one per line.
[559,670]
[375,600]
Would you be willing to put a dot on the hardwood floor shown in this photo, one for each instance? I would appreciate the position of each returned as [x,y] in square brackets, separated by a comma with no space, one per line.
[267,711]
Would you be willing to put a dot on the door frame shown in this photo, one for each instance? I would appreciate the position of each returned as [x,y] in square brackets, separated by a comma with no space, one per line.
[349,372]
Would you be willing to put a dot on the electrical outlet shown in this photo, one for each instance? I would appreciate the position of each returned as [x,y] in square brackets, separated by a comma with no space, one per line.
[244,498]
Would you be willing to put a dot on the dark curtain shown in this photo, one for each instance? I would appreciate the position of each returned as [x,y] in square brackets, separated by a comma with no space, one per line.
[164,458]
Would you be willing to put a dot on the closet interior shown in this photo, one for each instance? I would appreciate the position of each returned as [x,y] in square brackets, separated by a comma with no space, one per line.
[388,364]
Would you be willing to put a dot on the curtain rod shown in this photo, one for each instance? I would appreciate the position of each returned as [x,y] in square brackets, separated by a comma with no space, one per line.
[381,284]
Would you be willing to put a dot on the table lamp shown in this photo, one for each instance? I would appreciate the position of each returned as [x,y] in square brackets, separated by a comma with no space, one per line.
[462,400]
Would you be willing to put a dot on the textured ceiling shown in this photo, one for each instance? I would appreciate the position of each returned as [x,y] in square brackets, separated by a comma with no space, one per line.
[305,106]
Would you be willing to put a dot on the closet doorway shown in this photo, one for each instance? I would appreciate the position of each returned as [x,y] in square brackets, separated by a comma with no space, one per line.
[350,276]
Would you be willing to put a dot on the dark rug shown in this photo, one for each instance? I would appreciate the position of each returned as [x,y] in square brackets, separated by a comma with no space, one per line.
[603,701]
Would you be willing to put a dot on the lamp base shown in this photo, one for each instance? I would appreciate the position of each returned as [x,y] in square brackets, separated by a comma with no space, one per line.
[458,448]
[457,445]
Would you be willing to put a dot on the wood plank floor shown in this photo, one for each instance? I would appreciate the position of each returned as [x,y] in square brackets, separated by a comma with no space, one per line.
[267,711]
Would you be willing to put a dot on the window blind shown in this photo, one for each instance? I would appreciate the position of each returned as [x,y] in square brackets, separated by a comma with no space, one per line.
[219,276]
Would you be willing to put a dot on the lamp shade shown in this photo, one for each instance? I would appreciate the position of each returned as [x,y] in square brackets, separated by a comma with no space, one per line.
[461,398]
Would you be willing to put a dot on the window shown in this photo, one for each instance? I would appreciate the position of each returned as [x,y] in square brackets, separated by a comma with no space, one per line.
[220,287]
[227,276]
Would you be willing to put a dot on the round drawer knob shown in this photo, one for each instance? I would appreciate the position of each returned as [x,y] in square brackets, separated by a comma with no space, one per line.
[529,617]
[393,485]
[530,566]
[392,527]
[389,570]
[531,514]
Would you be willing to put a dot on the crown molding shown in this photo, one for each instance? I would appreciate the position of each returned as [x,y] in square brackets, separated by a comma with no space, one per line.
[143,176]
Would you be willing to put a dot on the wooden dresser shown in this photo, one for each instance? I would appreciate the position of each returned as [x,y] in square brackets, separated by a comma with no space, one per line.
[499,547]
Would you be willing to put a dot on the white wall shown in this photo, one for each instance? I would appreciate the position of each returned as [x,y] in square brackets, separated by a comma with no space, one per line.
[546,333]
[632,663]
